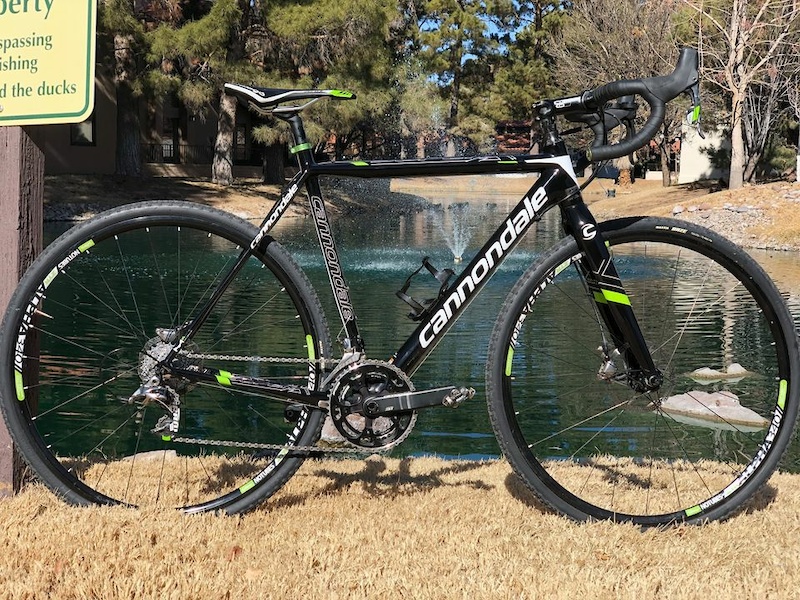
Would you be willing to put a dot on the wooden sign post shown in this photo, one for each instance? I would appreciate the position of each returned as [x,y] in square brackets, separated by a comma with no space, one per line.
[47,64]
[21,191]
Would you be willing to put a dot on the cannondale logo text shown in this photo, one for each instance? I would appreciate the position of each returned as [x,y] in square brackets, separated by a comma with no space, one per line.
[483,267]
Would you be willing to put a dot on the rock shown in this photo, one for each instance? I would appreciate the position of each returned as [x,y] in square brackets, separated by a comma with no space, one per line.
[709,375]
[717,410]
[678,209]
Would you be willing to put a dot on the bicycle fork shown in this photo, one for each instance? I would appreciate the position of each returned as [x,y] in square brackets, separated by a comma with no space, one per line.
[613,303]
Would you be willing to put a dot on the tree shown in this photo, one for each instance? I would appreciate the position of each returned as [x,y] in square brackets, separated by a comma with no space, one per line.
[345,44]
[456,42]
[739,39]
[627,39]
[119,24]
[523,73]
[764,104]
[198,56]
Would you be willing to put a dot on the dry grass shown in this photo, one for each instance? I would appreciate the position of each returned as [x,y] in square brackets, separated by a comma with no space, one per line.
[420,528]
[381,528]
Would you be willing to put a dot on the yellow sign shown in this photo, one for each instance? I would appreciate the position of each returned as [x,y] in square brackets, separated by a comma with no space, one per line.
[47,50]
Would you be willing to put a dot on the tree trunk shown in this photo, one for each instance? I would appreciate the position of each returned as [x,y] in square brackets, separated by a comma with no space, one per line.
[274,163]
[666,176]
[664,148]
[750,167]
[222,167]
[625,166]
[736,177]
[797,162]
[128,161]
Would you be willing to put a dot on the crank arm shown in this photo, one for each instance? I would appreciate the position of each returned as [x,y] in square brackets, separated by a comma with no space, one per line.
[288,394]
[448,396]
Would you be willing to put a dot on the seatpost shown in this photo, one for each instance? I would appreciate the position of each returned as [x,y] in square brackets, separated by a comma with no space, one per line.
[301,147]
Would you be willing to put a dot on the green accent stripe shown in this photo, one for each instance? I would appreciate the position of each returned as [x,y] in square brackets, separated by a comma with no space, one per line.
[606,296]
[507,162]
[86,245]
[50,276]
[19,385]
[695,510]
[300,148]
[166,438]
[224,378]
[342,94]
[784,385]
[359,163]
[509,358]
[310,346]
[562,266]
[247,486]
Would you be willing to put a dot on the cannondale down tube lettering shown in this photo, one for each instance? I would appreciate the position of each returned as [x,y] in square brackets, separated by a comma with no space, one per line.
[553,186]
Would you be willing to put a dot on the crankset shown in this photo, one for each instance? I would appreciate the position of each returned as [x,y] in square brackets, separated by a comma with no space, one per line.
[353,389]
[373,404]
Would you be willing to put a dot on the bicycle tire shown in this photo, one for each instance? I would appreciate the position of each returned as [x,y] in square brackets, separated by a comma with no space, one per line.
[590,447]
[79,337]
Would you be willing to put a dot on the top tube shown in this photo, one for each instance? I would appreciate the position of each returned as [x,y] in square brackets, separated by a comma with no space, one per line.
[479,165]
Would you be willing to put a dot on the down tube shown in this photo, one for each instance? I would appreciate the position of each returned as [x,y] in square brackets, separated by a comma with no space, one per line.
[552,187]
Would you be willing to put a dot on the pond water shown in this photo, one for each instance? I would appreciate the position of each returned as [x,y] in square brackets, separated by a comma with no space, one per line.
[378,254]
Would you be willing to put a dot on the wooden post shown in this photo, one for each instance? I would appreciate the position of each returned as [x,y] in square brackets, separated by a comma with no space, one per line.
[21,194]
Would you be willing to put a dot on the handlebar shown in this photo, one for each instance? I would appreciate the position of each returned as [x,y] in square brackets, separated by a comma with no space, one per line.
[656,91]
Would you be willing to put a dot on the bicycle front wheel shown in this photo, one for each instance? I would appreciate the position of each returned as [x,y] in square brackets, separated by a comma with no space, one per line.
[90,323]
[590,446]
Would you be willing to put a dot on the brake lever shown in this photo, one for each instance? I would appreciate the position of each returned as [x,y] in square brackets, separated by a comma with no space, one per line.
[693,116]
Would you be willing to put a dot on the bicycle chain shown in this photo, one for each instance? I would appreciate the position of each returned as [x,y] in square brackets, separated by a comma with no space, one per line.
[353,450]
[323,362]
[298,449]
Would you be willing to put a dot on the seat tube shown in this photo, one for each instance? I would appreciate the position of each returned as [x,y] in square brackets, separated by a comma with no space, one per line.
[341,291]
[609,294]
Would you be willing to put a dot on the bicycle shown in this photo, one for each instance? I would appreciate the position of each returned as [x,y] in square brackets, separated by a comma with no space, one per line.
[170,354]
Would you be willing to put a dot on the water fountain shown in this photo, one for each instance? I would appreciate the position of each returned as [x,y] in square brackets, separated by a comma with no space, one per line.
[456,224]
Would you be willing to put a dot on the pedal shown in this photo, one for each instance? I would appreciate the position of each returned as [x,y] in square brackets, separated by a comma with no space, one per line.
[419,308]
[457,396]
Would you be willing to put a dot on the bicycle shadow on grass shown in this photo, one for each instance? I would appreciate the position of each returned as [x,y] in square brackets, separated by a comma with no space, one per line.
[760,501]
[377,480]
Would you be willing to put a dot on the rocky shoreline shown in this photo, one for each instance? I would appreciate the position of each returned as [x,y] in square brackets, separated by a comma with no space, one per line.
[761,216]
[764,217]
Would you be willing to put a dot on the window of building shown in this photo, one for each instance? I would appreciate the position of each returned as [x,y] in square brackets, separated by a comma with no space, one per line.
[83,134]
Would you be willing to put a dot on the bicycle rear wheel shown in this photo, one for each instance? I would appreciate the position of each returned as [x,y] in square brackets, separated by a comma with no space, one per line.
[81,334]
[591,447]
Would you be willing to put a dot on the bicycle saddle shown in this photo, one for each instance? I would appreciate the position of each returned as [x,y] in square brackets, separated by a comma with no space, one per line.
[266,100]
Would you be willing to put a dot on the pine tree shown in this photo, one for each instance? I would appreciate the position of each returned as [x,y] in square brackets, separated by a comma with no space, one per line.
[124,33]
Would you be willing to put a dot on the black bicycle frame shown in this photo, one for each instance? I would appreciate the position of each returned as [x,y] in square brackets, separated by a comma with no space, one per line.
[555,186]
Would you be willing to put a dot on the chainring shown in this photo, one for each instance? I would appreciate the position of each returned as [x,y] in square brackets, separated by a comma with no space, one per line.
[359,383]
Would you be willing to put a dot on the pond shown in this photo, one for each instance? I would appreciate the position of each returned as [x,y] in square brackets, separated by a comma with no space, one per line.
[379,253]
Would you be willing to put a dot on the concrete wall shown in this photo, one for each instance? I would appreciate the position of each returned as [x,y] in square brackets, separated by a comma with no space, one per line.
[695,162]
